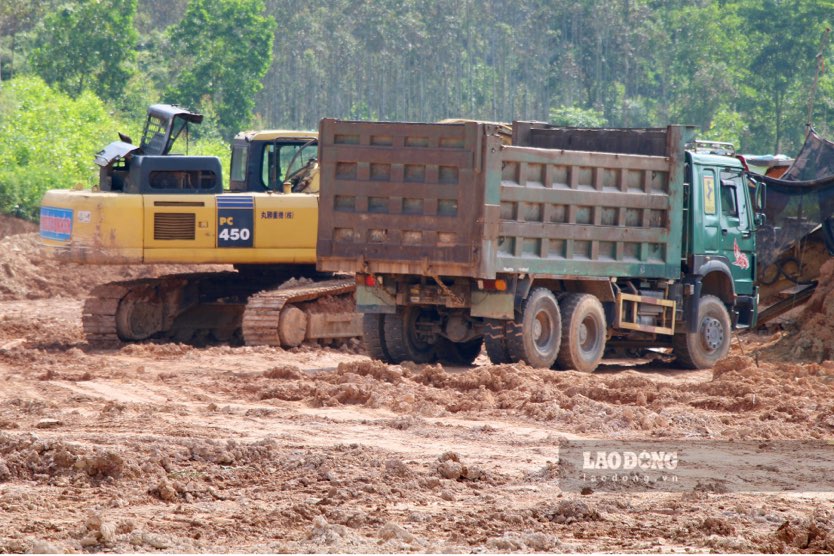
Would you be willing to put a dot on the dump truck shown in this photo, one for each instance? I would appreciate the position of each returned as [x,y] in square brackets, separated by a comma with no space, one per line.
[549,250]
[152,206]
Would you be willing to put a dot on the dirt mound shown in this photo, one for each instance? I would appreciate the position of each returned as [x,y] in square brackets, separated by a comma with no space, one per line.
[742,400]
[30,458]
[9,225]
[27,272]
[811,336]
[813,534]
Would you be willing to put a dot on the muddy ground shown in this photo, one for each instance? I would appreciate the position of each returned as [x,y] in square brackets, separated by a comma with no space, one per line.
[174,448]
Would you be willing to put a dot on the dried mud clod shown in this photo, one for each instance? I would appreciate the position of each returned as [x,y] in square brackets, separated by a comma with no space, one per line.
[813,534]
[449,466]
[31,458]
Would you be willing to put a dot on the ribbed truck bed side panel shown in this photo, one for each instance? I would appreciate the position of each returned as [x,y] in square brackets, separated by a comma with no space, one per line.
[588,214]
[520,209]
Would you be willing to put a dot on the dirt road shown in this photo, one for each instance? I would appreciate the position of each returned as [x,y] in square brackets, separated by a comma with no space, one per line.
[175,448]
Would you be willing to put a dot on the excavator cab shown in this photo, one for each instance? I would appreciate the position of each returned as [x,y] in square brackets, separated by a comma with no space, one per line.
[150,167]
[276,161]
[163,127]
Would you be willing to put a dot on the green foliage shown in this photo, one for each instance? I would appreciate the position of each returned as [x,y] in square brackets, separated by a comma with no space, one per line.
[16,16]
[783,38]
[573,116]
[727,126]
[214,146]
[222,49]
[87,45]
[49,141]
[740,70]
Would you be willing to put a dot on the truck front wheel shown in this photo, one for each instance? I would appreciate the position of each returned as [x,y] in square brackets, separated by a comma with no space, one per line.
[711,342]
[583,333]
[537,333]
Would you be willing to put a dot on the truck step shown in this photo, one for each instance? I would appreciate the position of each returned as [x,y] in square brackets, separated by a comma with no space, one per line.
[797,289]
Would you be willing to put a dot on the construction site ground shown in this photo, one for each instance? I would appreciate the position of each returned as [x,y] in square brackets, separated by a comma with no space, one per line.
[176,448]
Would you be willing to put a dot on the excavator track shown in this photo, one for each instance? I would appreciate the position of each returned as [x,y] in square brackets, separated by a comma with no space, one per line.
[141,309]
[99,314]
[277,317]
[217,307]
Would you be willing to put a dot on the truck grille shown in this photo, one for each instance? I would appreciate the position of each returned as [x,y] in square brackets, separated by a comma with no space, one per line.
[174,226]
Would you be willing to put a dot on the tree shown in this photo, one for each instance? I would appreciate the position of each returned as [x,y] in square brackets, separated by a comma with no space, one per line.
[87,45]
[16,16]
[223,49]
[49,141]
[573,116]
[785,37]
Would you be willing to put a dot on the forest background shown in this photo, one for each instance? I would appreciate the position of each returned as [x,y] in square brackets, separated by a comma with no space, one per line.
[73,73]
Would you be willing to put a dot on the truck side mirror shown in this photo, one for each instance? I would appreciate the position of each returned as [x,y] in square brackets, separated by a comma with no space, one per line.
[760,196]
[759,219]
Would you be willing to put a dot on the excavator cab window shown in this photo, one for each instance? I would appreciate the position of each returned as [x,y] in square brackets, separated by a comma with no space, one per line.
[281,161]
[270,173]
[295,158]
[154,135]
[239,159]
[191,180]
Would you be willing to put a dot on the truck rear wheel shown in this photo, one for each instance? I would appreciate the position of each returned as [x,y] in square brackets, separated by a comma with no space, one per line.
[458,353]
[495,340]
[402,338]
[535,336]
[583,333]
[711,342]
[373,334]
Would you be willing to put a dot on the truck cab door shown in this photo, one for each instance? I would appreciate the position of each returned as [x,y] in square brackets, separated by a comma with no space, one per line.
[737,238]
[710,237]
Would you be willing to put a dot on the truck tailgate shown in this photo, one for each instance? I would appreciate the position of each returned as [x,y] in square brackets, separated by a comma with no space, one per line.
[404,196]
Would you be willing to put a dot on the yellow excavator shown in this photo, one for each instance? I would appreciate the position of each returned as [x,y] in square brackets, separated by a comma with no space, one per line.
[153,207]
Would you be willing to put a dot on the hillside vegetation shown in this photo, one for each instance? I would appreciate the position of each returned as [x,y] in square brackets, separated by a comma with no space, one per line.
[73,73]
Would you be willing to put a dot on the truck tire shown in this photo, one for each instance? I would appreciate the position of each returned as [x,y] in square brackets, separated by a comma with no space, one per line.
[458,353]
[583,332]
[495,340]
[373,334]
[401,339]
[535,335]
[711,343]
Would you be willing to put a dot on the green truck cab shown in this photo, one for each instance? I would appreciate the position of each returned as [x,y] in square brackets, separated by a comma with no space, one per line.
[720,239]
[551,249]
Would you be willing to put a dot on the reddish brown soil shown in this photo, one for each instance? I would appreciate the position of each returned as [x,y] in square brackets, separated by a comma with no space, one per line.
[174,448]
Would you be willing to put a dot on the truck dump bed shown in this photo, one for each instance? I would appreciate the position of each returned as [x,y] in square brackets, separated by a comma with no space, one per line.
[452,200]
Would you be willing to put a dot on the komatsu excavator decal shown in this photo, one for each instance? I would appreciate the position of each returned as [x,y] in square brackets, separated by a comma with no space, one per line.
[235,221]
[56,223]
